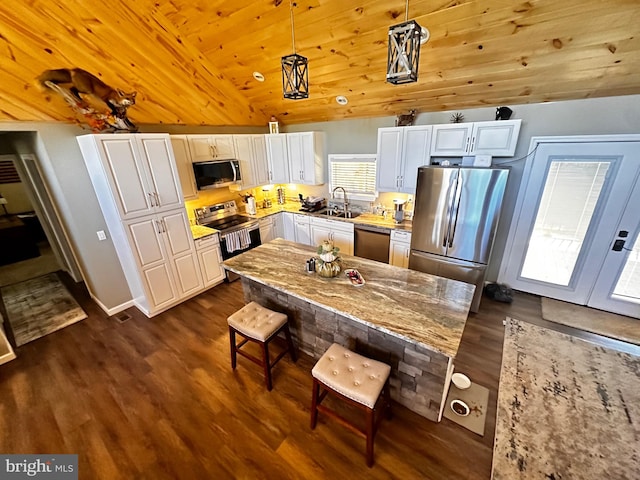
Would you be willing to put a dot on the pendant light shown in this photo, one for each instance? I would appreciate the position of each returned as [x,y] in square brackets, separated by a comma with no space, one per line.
[403,54]
[295,71]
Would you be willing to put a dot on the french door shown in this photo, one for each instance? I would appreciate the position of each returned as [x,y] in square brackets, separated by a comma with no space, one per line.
[576,233]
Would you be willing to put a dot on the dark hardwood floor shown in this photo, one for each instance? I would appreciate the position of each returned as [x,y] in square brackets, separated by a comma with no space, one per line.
[157,399]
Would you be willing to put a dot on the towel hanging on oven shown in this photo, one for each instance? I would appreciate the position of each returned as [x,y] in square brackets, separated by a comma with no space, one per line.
[245,238]
[232,241]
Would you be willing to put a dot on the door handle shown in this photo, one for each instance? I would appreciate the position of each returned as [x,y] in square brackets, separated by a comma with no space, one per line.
[466,145]
[618,245]
[151,199]
[157,197]
[473,144]
[456,209]
[158,229]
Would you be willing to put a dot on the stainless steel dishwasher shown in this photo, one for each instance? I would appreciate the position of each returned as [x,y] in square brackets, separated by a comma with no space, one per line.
[372,242]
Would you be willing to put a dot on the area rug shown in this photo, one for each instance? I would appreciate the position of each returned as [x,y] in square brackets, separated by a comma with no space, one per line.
[567,408]
[38,307]
[610,325]
[477,398]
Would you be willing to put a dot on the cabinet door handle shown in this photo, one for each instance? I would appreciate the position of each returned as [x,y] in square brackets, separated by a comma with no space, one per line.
[473,144]
[158,229]
[466,145]
[151,199]
[157,197]
[164,226]
[270,175]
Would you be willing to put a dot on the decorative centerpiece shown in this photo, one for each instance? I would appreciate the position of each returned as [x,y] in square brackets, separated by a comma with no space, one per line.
[328,264]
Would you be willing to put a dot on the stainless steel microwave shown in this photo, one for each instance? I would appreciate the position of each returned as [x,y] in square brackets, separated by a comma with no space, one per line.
[216,173]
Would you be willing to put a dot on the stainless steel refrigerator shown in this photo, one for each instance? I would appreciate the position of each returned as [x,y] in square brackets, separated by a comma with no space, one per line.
[454,223]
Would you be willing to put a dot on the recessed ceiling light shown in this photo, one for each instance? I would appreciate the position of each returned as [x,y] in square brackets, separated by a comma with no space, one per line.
[342,100]
[258,76]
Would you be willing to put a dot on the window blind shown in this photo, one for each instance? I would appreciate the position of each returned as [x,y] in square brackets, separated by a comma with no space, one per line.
[355,173]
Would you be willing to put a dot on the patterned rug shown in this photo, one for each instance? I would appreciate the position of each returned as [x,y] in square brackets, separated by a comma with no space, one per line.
[608,324]
[38,307]
[567,408]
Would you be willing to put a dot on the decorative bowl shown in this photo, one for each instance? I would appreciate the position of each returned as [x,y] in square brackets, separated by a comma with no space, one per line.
[461,381]
[460,408]
[328,269]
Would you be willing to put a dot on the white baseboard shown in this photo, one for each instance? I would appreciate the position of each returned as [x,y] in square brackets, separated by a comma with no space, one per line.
[114,310]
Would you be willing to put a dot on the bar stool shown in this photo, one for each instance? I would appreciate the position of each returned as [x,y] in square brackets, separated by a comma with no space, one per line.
[357,380]
[260,325]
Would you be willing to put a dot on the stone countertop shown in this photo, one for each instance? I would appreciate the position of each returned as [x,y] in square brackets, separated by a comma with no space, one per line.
[363,218]
[417,307]
[200,231]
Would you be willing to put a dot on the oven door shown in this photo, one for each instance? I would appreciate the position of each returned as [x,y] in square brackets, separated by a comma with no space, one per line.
[227,244]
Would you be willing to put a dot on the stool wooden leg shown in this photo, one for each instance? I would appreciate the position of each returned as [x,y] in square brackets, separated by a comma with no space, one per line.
[292,351]
[370,435]
[232,342]
[387,399]
[314,404]
[267,365]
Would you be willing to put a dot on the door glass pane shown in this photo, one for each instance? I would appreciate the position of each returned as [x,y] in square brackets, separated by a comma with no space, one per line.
[569,198]
[628,286]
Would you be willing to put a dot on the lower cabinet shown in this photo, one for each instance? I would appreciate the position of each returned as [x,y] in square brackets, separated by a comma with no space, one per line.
[267,230]
[278,225]
[340,233]
[288,226]
[302,229]
[210,258]
[163,248]
[399,248]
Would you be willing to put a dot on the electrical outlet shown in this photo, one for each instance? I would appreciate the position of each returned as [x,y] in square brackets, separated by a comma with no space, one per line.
[101,235]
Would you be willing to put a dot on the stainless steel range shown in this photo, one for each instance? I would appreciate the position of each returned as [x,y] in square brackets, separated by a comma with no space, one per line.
[238,233]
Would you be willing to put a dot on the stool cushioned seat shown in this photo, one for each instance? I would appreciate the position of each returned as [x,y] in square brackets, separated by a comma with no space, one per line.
[259,325]
[354,376]
[255,321]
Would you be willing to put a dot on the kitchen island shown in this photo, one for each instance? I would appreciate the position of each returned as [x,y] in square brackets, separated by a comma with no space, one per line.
[411,320]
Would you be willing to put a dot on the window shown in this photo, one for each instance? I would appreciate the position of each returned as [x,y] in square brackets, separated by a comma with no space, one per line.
[355,173]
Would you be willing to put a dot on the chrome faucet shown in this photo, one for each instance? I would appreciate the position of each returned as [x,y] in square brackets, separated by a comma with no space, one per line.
[344,196]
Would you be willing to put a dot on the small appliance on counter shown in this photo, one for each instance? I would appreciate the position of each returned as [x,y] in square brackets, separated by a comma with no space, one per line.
[281,196]
[312,204]
[251,205]
[398,216]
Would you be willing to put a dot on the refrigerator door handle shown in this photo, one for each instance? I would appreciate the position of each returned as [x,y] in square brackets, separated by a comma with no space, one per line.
[451,191]
[456,208]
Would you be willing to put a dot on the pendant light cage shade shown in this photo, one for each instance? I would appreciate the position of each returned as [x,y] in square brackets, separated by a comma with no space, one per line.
[403,54]
[295,77]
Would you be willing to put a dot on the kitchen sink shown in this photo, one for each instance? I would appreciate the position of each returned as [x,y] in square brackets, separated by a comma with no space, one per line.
[339,214]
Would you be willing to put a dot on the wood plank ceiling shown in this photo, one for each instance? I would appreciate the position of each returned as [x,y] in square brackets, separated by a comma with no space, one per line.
[191,61]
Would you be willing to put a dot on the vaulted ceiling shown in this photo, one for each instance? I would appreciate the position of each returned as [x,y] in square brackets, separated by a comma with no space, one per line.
[191,61]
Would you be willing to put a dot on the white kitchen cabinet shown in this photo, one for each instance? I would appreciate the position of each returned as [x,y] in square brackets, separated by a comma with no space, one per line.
[252,155]
[399,248]
[185,169]
[278,225]
[302,229]
[164,251]
[154,245]
[288,226]
[210,259]
[306,157]
[140,170]
[496,138]
[340,233]
[401,150]
[267,232]
[277,158]
[211,147]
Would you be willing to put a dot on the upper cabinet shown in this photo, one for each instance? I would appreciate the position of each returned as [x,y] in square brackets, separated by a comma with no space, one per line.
[211,147]
[277,158]
[140,170]
[497,138]
[401,150]
[185,170]
[252,154]
[306,157]
[296,158]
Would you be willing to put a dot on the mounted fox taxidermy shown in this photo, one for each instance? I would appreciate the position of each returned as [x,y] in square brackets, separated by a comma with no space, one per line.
[70,83]
[406,120]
